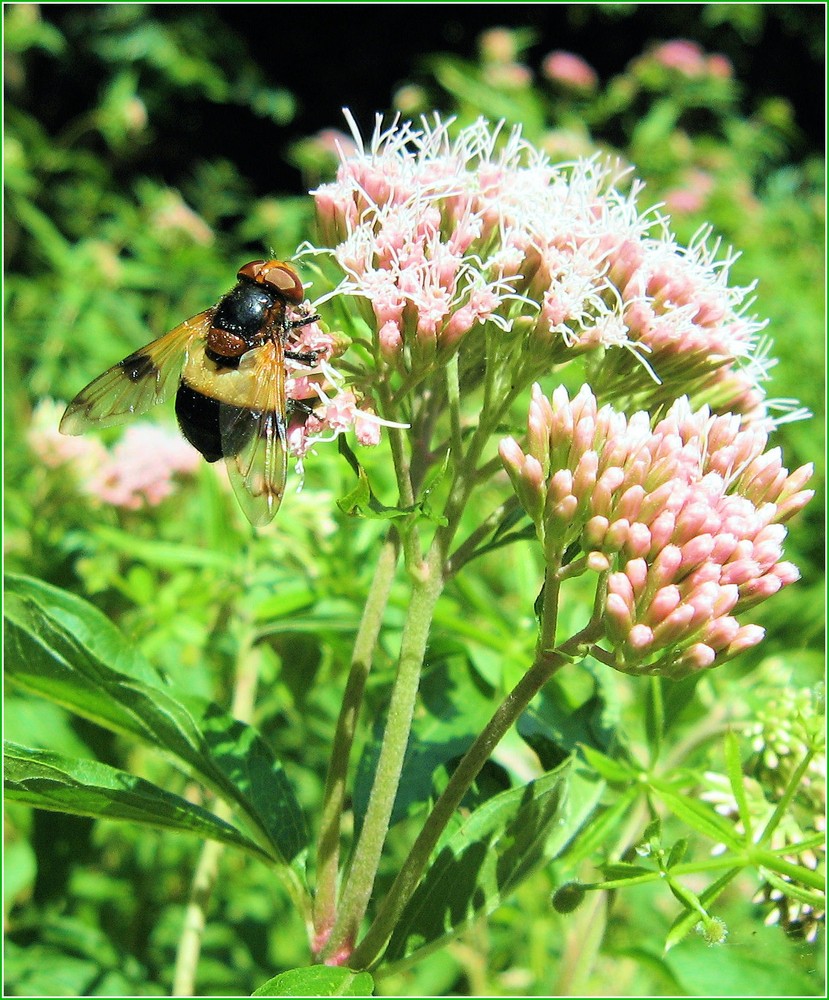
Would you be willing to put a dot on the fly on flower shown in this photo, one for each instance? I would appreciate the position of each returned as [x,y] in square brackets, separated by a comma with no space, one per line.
[227,365]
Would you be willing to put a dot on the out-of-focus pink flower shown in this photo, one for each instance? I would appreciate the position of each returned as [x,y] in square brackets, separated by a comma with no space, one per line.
[508,76]
[137,471]
[173,214]
[685,517]
[692,195]
[54,449]
[720,66]
[684,56]
[140,468]
[569,70]
[690,60]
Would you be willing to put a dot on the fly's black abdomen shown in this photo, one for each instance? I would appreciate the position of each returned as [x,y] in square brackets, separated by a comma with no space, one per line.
[198,418]
[243,310]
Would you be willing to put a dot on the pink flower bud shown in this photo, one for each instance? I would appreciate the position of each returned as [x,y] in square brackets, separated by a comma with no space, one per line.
[636,572]
[740,571]
[584,478]
[662,529]
[561,485]
[675,626]
[618,620]
[699,656]
[607,484]
[666,565]
[598,562]
[630,502]
[638,542]
[595,531]
[697,551]
[721,632]
[616,536]
[748,636]
[390,338]
[620,586]
[640,638]
[789,507]
[666,600]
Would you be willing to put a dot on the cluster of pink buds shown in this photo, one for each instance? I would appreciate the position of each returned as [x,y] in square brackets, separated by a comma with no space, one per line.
[442,234]
[683,521]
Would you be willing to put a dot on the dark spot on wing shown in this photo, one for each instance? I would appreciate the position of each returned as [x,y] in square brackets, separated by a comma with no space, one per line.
[139,366]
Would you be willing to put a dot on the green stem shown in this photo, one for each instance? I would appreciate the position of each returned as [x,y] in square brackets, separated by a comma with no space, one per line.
[357,891]
[544,666]
[328,848]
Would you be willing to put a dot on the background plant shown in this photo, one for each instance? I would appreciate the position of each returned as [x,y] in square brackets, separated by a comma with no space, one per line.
[93,238]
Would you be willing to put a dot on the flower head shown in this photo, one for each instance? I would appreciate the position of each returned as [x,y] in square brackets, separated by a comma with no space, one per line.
[685,518]
[476,241]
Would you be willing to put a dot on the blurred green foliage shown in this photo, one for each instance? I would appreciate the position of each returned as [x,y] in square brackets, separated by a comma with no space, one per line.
[103,253]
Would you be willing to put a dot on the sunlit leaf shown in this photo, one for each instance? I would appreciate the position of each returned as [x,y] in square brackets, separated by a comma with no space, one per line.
[64,649]
[318,981]
[88,788]
[492,852]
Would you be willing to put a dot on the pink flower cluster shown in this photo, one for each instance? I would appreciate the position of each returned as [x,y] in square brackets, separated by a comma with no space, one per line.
[138,471]
[441,236]
[336,408]
[683,520]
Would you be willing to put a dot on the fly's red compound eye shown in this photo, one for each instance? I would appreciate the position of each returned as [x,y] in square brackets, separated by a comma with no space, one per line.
[277,275]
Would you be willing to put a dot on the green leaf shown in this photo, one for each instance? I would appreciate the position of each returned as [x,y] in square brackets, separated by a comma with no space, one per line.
[611,770]
[762,963]
[698,816]
[495,849]
[602,829]
[318,981]
[64,649]
[735,776]
[88,788]
[617,871]
[554,729]
[167,555]
[362,501]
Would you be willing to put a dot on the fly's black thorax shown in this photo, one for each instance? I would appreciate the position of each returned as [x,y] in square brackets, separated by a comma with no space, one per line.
[244,310]
[243,318]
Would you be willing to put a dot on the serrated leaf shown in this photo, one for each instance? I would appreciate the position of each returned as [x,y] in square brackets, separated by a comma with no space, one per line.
[62,648]
[318,981]
[495,849]
[88,788]
[554,730]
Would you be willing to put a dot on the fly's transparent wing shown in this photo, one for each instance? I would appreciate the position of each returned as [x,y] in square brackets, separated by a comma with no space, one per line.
[146,377]
[254,440]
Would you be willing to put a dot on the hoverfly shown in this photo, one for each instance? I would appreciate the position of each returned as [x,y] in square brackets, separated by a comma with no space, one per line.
[227,365]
